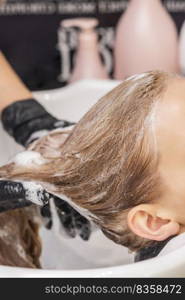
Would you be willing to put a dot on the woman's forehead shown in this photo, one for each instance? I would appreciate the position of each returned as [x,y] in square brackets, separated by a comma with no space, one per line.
[171,106]
[175,92]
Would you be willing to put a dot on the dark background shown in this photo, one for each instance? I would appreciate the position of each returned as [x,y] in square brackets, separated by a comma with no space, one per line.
[29,35]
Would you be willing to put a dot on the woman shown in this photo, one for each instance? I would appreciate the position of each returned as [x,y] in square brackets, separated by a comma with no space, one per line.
[122,164]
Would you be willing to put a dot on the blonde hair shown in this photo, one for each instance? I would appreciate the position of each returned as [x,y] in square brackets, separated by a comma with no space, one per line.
[108,163]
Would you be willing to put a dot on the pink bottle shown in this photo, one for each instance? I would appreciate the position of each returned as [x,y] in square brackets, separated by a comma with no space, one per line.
[88,62]
[146,39]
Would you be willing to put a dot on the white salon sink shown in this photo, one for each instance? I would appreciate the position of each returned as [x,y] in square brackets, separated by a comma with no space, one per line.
[99,257]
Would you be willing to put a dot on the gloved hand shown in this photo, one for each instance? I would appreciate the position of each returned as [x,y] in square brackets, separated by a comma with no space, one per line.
[25,121]
[18,195]
[73,223]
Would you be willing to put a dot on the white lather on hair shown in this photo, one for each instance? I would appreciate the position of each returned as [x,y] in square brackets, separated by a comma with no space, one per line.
[29,158]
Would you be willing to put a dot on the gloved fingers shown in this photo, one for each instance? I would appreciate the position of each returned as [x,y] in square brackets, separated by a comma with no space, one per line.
[64,215]
[18,195]
[46,214]
[12,195]
[83,225]
[64,211]
[73,222]
[23,119]
[21,194]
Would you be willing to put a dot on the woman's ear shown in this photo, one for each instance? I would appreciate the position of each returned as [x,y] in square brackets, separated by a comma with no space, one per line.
[144,222]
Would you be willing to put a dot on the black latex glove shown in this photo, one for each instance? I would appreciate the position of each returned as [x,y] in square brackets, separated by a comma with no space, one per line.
[73,223]
[14,195]
[23,118]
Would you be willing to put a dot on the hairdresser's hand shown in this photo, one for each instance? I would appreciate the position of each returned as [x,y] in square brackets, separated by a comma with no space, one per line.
[21,194]
[15,194]
[11,86]
[73,223]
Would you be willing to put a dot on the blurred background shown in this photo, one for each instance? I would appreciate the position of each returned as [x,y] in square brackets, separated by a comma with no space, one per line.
[44,52]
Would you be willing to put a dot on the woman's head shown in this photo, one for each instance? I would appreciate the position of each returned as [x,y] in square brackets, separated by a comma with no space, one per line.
[109,163]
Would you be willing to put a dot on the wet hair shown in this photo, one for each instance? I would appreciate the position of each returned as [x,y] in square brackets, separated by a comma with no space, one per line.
[108,163]
[20,244]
